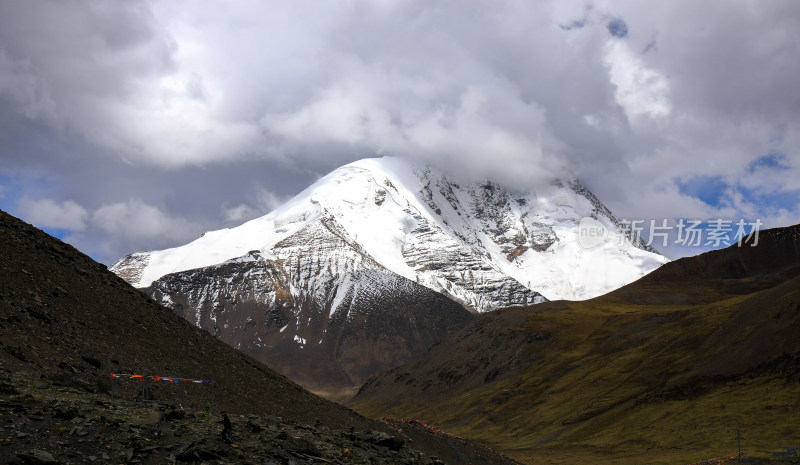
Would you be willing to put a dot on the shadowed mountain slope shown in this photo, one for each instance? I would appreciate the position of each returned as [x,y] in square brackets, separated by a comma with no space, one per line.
[663,370]
[773,251]
[65,317]
[385,320]
[66,323]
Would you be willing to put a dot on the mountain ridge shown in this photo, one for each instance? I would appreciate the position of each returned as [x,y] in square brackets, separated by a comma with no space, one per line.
[479,246]
[375,201]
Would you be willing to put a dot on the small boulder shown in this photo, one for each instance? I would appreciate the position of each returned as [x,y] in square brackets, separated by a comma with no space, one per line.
[254,426]
[92,361]
[36,457]
[380,438]
[300,445]
[175,414]
[272,420]
[153,418]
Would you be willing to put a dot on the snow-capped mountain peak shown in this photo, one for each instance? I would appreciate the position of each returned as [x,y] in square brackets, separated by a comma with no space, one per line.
[478,243]
[367,267]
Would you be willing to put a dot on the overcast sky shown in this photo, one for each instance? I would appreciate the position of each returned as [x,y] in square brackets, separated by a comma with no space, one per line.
[128,126]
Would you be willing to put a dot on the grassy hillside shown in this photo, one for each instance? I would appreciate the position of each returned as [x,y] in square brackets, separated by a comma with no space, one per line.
[664,370]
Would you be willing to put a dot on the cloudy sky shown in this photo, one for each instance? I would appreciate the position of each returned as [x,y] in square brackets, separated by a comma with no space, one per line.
[128,126]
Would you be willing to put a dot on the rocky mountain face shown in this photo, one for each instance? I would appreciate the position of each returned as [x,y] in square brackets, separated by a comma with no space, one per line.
[67,323]
[381,320]
[659,371]
[308,286]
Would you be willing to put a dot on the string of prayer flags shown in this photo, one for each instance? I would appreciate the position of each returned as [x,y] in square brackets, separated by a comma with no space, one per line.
[160,378]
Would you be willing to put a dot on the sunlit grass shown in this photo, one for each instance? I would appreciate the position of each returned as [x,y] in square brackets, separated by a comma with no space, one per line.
[622,381]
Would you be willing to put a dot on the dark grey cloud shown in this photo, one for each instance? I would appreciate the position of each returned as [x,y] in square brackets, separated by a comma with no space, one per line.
[179,119]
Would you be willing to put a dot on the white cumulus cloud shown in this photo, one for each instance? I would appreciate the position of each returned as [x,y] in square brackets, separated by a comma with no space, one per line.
[156,101]
[50,213]
[640,90]
[135,219]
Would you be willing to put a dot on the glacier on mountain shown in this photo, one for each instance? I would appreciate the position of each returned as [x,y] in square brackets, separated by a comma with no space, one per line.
[478,243]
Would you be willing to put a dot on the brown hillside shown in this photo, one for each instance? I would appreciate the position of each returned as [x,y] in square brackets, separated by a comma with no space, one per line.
[664,370]
[65,317]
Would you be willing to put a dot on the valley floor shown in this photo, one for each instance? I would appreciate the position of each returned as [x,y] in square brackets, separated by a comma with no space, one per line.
[579,455]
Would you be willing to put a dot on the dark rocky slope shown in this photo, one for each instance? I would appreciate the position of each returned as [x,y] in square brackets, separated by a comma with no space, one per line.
[50,424]
[66,323]
[67,318]
[382,320]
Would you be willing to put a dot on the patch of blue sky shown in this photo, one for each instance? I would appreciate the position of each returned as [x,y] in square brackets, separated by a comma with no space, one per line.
[712,190]
[774,160]
[15,186]
[618,28]
[11,189]
[709,189]
[774,200]
[58,233]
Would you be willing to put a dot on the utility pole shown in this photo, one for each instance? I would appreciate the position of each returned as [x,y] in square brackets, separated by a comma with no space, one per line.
[739,441]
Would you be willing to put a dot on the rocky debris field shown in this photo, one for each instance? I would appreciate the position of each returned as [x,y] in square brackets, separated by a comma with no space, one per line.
[41,423]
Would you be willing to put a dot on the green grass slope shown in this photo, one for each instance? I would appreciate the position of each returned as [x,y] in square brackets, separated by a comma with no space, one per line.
[664,370]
